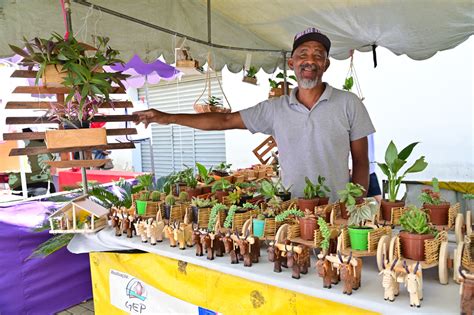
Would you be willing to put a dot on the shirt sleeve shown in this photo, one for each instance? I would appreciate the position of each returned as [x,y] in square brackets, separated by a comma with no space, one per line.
[359,119]
[259,118]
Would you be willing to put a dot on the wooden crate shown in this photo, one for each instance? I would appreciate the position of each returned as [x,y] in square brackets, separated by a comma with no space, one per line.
[56,139]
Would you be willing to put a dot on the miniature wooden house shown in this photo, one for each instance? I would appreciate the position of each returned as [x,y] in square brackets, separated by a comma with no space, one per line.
[80,215]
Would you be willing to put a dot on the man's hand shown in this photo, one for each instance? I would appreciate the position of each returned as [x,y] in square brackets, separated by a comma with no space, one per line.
[150,115]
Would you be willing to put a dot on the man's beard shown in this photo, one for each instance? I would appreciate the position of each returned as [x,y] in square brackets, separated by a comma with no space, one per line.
[308,83]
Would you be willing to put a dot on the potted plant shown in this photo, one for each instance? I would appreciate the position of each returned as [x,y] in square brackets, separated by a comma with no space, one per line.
[81,72]
[221,170]
[415,230]
[276,88]
[205,177]
[192,186]
[283,192]
[259,225]
[212,104]
[221,188]
[394,161]
[322,190]
[170,201]
[234,196]
[329,241]
[308,224]
[358,216]
[251,75]
[216,210]
[309,201]
[142,202]
[350,196]
[438,207]
[198,206]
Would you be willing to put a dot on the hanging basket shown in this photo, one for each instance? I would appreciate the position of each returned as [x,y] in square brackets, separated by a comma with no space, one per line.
[279,91]
[205,108]
[250,80]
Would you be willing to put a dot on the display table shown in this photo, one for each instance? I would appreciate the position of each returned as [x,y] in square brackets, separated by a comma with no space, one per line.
[40,285]
[235,289]
[73,177]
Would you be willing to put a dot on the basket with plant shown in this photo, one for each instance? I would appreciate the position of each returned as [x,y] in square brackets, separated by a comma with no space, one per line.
[310,200]
[359,215]
[438,208]
[250,75]
[277,86]
[290,217]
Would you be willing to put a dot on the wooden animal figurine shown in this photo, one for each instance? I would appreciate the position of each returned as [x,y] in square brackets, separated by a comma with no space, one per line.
[295,256]
[350,271]
[291,258]
[153,233]
[270,251]
[117,224]
[467,292]
[325,270]
[389,280]
[277,253]
[414,285]
[188,234]
[128,226]
[244,248]
[207,243]
[230,249]
[141,231]
[178,234]
[197,241]
[160,226]
[170,235]
[219,244]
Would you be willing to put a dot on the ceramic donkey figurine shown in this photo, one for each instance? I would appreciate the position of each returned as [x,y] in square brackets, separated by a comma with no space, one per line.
[389,280]
[413,283]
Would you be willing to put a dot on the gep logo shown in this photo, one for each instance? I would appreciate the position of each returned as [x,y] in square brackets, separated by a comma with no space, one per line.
[135,290]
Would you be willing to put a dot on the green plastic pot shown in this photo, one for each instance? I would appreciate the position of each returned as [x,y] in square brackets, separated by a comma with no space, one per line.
[141,207]
[258,227]
[359,237]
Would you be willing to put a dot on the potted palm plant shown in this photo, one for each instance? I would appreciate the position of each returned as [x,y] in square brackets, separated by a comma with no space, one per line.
[322,190]
[415,230]
[438,207]
[350,196]
[251,75]
[310,200]
[358,216]
[394,161]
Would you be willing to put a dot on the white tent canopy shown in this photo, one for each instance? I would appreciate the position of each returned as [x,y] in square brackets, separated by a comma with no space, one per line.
[418,29]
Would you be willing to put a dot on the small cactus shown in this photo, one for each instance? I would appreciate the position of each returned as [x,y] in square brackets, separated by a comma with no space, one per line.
[155,196]
[183,196]
[144,196]
[170,200]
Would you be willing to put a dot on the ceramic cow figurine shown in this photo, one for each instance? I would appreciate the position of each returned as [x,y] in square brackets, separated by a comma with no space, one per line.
[389,280]
[414,285]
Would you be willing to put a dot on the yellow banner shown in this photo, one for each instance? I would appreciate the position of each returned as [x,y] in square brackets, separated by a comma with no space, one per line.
[206,288]
[462,187]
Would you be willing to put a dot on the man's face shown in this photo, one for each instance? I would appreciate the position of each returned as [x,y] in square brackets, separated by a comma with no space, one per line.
[309,61]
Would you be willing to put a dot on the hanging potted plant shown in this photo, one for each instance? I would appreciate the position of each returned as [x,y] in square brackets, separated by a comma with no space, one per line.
[321,191]
[251,75]
[358,216]
[350,196]
[415,230]
[276,87]
[438,208]
[394,161]
[310,200]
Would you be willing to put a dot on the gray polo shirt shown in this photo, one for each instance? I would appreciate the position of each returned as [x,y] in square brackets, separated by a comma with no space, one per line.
[312,142]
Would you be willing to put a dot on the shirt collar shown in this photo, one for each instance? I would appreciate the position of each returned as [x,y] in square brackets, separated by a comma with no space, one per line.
[324,97]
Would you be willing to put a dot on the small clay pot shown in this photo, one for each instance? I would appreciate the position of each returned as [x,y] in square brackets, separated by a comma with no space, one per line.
[284,196]
[220,194]
[413,245]
[323,201]
[310,204]
[193,192]
[439,214]
[307,227]
[386,208]
[206,189]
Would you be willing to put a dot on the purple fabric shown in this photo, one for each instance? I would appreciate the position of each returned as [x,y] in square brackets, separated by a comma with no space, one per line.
[139,70]
[41,285]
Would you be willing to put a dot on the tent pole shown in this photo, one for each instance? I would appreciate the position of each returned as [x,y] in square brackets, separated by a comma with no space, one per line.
[285,84]
[209,21]
[67,6]
[152,157]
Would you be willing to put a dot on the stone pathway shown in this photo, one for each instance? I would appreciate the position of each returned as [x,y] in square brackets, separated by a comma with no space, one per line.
[85,308]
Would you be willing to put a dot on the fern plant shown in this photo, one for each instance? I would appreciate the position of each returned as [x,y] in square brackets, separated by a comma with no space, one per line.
[213,215]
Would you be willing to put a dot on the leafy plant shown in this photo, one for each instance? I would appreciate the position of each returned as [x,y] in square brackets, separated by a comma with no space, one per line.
[221,184]
[251,72]
[415,221]
[213,215]
[268,189]
[191,181]
[359,214]
[348,196]
[321,188]
[234,196]
[285,214]
[310,189]
[89,86]
[281,75]
[214,101]
[145,182]
[204,173]
[230,216]
[394,161]
[281,188]
[223,167]
[325,232]
[468,196]
[348,83]
[119,195]
[144,196]
[261,216]
[202,203]
[432,196]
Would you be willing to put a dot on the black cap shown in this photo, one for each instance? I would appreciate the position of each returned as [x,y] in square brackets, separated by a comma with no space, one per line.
[311,34]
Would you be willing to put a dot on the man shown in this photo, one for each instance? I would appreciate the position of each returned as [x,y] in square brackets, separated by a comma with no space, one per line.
[314,127]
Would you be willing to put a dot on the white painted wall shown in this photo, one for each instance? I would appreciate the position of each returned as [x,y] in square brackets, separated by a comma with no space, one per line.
[430,101]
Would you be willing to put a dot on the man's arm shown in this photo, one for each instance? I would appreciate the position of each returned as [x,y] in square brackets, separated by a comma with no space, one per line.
[205,121]
[360,162]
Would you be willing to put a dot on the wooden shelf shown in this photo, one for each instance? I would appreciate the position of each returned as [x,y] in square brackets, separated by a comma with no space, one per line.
[24,74]
[47,105]
[77,163]
[41,135]
[44,120]
[55,90]
[42,150]
[358,253]
[301,241]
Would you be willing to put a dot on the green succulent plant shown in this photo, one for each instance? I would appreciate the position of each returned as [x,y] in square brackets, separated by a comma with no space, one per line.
[321,188]
[325,232]
[155,196]
[202,203]
[218,207]
[251,72]
[310,189]
[183,196]
[170,200]
[285,214]
[415,221]
[230,216]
